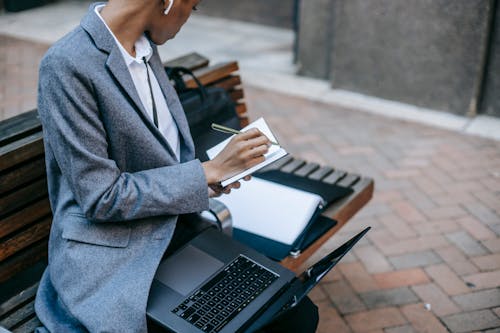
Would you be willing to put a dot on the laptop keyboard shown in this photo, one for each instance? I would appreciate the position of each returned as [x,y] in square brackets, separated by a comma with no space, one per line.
[219,300]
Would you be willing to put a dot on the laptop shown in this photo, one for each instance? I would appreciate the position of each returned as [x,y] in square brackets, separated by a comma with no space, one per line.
[215,284]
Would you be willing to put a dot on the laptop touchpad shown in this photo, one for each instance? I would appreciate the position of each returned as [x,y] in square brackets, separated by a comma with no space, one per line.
[187,269]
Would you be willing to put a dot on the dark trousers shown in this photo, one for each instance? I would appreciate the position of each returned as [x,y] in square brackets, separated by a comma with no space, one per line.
[302,318]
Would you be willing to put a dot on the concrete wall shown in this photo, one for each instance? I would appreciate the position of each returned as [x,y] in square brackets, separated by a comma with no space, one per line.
[315,37]
[269,12]
[423,52]
[491,94]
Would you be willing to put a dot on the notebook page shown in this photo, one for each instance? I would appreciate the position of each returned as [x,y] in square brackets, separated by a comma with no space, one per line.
[271,210]
[274,153]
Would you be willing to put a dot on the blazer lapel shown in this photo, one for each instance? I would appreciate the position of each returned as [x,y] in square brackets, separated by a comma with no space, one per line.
[174,105]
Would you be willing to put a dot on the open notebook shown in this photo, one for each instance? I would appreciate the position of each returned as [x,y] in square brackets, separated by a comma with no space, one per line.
[273,215]
[275,151]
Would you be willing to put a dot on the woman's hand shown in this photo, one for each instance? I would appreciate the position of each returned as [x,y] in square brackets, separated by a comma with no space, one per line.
[215,191]
[243,151]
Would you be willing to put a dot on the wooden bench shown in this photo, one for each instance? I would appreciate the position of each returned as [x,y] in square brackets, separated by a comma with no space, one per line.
[25,215]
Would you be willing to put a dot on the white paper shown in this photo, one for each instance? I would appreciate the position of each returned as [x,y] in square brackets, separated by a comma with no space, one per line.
[271,210]
[274,153]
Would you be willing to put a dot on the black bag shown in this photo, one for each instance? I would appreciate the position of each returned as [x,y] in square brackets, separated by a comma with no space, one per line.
[204,106]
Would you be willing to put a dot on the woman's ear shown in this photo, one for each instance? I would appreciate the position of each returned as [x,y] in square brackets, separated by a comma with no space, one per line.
[170,4]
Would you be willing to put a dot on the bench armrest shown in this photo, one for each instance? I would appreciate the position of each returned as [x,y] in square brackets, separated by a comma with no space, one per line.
[219,214]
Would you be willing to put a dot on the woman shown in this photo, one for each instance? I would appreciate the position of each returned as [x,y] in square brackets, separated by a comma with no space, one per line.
[120,165]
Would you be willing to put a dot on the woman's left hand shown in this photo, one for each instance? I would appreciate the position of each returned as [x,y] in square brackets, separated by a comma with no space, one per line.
[215,191]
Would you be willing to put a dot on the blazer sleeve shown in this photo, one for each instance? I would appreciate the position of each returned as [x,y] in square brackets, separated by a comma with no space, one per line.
[77,138]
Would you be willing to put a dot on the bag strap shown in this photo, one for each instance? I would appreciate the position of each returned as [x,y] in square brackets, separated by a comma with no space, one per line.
[176,73]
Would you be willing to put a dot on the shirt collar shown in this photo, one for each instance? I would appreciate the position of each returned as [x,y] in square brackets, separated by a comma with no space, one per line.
[142,47]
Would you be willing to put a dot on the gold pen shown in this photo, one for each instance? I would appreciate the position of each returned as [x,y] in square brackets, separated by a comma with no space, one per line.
[230,130]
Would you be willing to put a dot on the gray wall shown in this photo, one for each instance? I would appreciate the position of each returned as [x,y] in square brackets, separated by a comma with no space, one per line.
[491,94]
[269,12]
[315,39]
[429,53]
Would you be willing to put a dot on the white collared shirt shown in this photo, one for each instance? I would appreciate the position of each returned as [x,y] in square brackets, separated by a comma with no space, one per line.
[137,69]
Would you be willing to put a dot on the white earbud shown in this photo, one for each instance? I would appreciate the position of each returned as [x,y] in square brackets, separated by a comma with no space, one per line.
[171,2]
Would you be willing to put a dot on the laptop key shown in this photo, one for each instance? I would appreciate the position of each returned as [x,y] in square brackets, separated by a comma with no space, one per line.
[194,318]
[187,313]
[208,328]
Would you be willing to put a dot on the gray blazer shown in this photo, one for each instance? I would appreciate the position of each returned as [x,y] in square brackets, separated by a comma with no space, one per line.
[115,186]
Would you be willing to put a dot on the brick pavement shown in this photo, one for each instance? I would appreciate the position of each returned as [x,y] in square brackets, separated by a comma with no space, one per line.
[19,60]
[431,262]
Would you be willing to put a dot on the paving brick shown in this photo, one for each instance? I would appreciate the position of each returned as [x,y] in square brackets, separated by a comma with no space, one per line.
[421,200]
[483,213]
[487,263]
[470,321]
[400,329]
[437,227]
[330,320]
[407,277]
[397,226]
[415,259]
[484,280]
[418,244]
[375,319]
[492,244]
[387,196]
[358,277]
[388,297]
[317,294]
[458,262]
[497,311]
[476,229]
[466,243]
[479,300]
[372,259]
[344,298]
[407,211]
[440,303]
[445,278]
[488,198]
[495,228]
[445,212]
[421,319]
[333,275]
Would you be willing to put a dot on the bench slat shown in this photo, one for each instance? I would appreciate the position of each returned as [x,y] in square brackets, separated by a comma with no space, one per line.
[22,240]
[22,297]
[23,196]
[14,319]
[28,326]
[227,83]
[293,165]
[25,217]
[211,74]
[191,61]
[241,109]
[349,180]
[335,176]
[307,169]
[23,260]
[276,165]
[22,174]
[237,94]
[21,150]
[20,126]
[321,173]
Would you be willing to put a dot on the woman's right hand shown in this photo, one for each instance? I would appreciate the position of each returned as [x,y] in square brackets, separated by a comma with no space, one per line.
[243,151]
